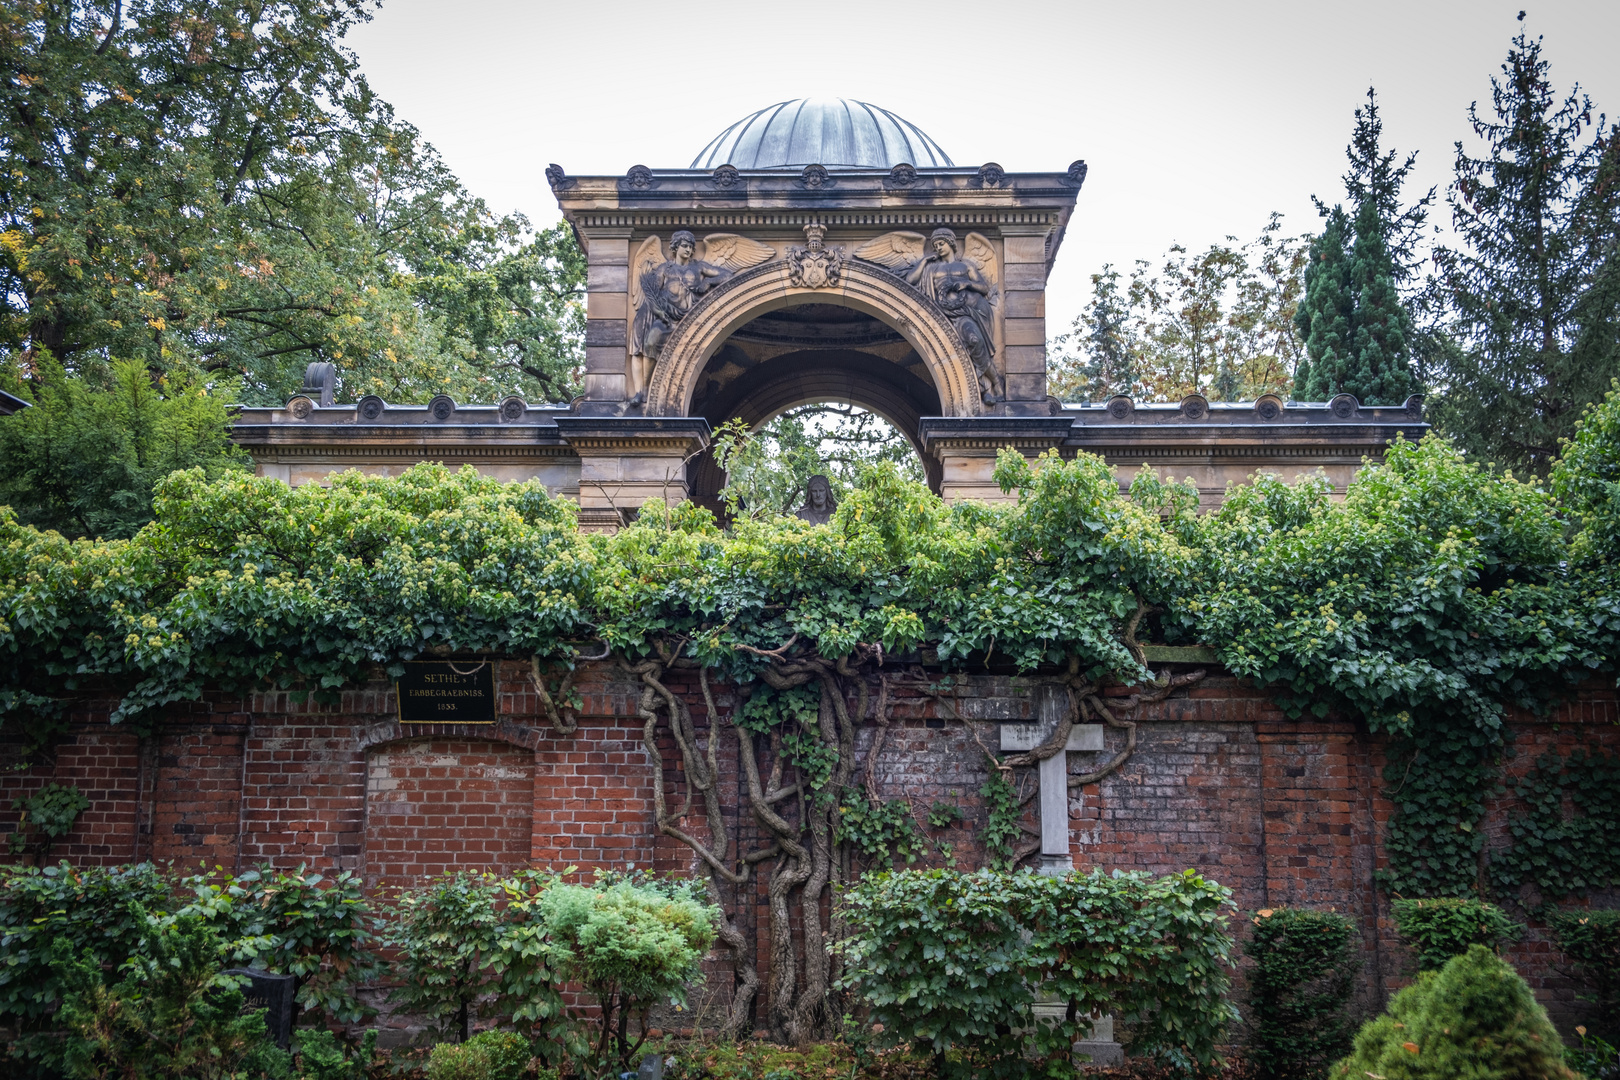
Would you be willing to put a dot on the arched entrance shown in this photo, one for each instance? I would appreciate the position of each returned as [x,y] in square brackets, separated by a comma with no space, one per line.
[899,392]
[868,290]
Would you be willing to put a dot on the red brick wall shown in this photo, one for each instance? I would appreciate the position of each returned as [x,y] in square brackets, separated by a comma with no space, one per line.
[1282,812]
[434,805]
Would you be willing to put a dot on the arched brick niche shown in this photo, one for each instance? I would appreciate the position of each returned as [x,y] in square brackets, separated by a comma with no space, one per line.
[446,803]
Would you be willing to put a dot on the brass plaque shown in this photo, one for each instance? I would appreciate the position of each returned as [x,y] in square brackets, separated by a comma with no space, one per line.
[445,692]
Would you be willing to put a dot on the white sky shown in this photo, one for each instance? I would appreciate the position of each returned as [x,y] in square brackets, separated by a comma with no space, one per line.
[1197,119]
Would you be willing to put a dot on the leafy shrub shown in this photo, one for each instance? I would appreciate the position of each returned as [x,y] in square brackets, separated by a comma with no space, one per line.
[49,813]
[297,923]
[630,944]
[174,1014]
[447,934]
[1299,991]
[1591,940]
[1474,1018]
[948,961]
[489,1055]
[321,1056]
[99,913]
[466,938]
[1438,929]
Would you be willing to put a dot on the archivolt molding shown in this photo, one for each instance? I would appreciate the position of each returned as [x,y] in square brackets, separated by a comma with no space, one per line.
[504,730]
[766,288]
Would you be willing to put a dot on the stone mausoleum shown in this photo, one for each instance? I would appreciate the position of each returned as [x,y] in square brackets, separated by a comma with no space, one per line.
[815,250]
[820,249]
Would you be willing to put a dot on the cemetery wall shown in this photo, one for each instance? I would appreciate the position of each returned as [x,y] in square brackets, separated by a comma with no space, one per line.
[1284,812]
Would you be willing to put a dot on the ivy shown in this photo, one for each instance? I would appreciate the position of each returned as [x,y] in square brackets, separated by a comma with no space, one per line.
[1001,829]
[1564,855]
[1434,597]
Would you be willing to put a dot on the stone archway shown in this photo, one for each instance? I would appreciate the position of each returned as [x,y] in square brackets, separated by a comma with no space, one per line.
[849,375]
[867,289]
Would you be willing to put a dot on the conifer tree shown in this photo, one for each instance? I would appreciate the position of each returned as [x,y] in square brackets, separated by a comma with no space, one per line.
[1325,314]
[1374,177]
[1534,287]
[1380,368]
[1357,329]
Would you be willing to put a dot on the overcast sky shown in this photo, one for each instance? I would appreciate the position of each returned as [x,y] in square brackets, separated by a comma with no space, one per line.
[1197,119]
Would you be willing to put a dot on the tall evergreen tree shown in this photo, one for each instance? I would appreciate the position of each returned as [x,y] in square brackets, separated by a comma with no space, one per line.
[1357,329]
[1381,368]
[1375,177]
[1534,287]
[1326,313]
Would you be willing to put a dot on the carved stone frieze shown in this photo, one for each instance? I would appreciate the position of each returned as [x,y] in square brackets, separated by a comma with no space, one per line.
[816,266]
[965,285]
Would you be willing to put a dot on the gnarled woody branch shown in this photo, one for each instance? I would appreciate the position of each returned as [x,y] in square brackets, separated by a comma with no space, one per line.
[563,721]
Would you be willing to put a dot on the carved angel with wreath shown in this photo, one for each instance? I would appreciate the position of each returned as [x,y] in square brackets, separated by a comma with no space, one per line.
[663,290]
[963,285]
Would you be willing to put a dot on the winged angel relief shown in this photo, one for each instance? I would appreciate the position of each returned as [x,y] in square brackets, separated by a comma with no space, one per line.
[962,284]
[663,290]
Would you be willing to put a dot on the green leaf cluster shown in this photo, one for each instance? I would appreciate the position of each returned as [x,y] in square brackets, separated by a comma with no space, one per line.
[489,1055]
[1475,1017]
[319,929]
[953,964]
[214,187]
[85,458]
[464,937]
[48,813]
[1563,855]
[93,910]
[1433,597]
[1438,929]
[1300,991]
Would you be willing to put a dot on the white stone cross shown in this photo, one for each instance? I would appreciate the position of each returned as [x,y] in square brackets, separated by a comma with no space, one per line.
[1051,707]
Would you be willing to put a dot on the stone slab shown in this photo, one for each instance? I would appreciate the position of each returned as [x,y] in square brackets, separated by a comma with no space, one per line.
[1019,737]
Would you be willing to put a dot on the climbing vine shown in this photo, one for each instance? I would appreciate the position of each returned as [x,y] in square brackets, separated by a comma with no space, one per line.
[1561,852]
[1435,596]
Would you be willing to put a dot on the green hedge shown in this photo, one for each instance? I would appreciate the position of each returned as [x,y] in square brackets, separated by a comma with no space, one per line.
[1299,991]
[953,963]
[1591,941]
[1438,929]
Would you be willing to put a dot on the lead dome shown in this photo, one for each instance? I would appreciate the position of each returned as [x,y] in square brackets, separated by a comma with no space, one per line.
[839,133]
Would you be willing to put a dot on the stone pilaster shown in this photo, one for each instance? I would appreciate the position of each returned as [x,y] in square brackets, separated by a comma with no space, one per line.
[966,448]
[607,311]
[1024,327]
[626,461]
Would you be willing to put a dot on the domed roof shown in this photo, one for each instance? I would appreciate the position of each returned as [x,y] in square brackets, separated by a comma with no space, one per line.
[836,132]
